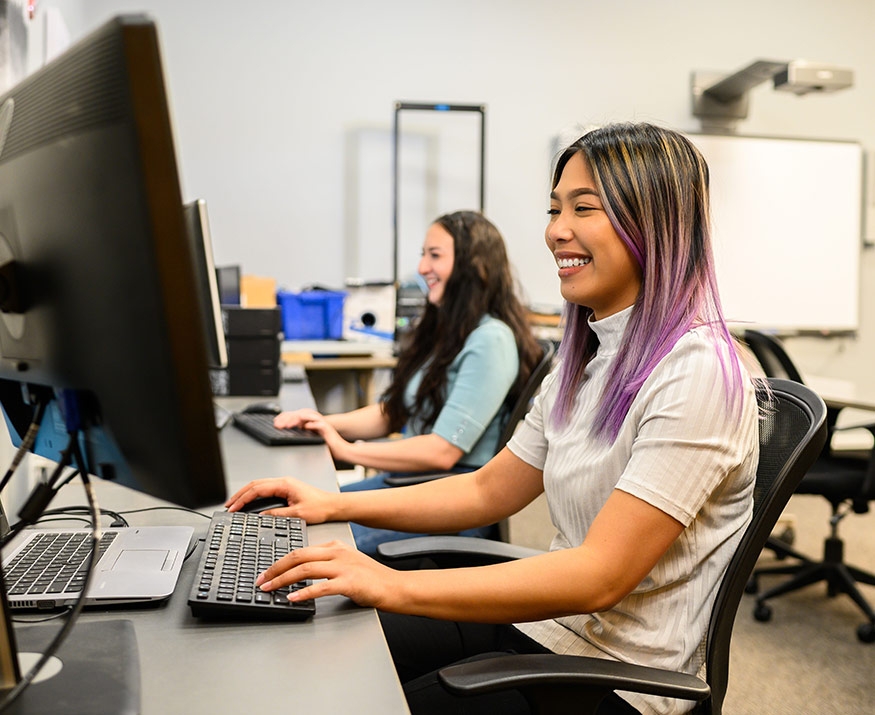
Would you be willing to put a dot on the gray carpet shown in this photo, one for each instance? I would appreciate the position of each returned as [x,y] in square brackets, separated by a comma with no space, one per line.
[807,659]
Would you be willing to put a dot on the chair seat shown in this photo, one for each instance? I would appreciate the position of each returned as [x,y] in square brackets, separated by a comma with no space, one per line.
[838,480]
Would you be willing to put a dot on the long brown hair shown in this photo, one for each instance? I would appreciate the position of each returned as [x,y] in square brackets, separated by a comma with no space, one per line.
[481,283]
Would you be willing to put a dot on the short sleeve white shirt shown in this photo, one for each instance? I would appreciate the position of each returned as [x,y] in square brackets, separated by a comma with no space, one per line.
[681,448]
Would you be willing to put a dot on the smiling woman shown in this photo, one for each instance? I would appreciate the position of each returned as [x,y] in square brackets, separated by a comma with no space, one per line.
[596,268]
[436,264]
[644,440]
[458,371]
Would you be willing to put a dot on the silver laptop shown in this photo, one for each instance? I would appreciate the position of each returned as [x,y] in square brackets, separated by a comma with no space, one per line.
[45,568]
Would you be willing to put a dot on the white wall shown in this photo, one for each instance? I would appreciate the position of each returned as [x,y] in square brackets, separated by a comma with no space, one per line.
[267,95]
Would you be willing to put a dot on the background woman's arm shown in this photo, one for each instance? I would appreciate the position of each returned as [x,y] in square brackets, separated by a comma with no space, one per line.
[422,453]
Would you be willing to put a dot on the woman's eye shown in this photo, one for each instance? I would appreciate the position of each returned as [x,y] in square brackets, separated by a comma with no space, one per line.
[552,212]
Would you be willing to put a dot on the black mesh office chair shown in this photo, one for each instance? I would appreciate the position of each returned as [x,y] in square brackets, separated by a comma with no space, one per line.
[517,412]
[792,433]
[846,481]
[500,531]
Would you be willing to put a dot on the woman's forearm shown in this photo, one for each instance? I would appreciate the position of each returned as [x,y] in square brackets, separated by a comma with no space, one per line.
[503,593]
[448,504]
[414,454]
[364,423]
[625,542]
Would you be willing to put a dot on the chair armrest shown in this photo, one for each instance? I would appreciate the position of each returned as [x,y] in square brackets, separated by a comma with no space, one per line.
[452,551]
[565,680]
[403,480]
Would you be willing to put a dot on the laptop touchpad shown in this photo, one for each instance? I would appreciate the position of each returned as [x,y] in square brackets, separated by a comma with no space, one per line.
[143,560]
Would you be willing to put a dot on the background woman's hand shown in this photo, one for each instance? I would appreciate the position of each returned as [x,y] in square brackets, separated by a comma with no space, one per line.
[336,568]
[313,505]
[296,418]
[315,421]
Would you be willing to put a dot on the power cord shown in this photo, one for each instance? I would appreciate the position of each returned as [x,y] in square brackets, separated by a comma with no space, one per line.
[74,512]
[26,442]
[40,496]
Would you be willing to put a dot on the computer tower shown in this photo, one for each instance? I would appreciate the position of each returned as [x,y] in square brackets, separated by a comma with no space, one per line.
[253,337]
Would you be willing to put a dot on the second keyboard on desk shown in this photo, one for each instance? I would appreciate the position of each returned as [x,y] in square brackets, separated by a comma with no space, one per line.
[237,548]
[260,426]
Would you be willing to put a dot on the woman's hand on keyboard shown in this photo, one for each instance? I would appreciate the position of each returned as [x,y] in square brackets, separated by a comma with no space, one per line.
[296,418]
[335,568]
[315,422]
[306,502]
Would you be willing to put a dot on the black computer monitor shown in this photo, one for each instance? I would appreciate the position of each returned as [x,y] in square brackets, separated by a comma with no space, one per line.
[229,284]
[100,313]
[98,289]
[198,225]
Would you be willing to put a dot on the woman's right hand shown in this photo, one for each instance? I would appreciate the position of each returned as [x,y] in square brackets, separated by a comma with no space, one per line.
[296,418]
[306,502]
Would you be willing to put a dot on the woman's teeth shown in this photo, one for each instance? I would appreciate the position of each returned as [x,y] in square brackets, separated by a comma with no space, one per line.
[571,262]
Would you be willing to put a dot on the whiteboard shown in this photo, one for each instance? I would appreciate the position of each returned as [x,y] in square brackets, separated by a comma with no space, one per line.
[787,230]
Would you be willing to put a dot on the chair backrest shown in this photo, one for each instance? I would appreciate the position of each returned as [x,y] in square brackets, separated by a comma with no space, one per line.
[524,400]
[792,432]
[517,412]
[771,355]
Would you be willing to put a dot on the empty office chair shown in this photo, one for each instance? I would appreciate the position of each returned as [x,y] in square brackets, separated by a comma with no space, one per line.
[771,355]
[792,433]
[846,481]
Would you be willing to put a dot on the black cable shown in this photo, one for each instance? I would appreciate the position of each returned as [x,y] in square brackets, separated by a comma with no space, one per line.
[63,520]
[63,632]
[167,508]
[44,619]
[40,497]
[69,478]
[26,442]
[73,512]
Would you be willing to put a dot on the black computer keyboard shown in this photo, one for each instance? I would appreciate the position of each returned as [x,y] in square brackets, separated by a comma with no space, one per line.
[238,547]
[260,426]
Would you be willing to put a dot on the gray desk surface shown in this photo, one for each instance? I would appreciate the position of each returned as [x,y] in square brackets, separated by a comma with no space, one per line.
[337,662]
[841,393]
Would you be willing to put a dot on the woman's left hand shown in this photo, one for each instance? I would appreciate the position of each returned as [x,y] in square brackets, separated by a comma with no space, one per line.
[335,568]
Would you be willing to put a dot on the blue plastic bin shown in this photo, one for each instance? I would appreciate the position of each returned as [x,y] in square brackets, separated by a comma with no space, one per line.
[312,315]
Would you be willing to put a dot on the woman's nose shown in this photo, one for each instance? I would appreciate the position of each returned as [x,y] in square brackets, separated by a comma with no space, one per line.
[558,230]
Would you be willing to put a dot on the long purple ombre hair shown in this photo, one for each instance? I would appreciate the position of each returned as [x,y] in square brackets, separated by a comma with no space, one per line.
[653,185]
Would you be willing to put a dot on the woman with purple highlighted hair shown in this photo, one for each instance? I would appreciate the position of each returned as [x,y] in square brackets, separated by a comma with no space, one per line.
[644,439]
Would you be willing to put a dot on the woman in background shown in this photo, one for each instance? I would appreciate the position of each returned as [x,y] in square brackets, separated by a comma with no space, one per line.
[644,439]
[458,372]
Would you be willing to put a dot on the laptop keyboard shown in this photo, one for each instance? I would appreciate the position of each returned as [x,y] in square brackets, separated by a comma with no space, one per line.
[260,426]
[237,548]
[54,563]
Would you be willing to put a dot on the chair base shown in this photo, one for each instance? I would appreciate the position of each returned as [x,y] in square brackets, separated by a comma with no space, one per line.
[840,578]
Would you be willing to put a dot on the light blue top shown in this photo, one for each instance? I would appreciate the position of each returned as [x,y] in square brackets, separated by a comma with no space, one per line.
[478,381]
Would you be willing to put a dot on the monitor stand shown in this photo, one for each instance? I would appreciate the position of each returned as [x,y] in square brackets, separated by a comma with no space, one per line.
[96,670]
